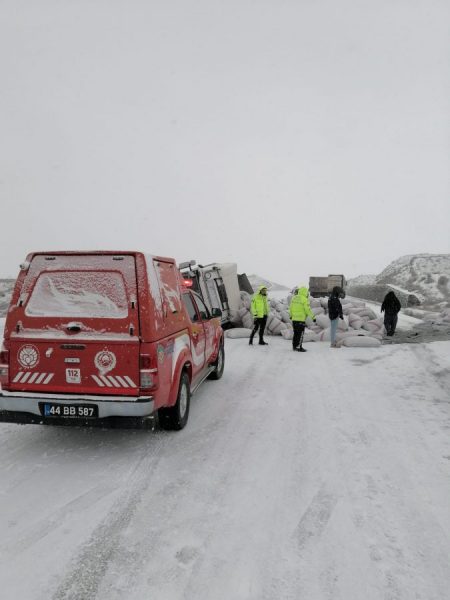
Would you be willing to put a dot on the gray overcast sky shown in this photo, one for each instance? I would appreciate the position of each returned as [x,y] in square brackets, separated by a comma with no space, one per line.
[293,137]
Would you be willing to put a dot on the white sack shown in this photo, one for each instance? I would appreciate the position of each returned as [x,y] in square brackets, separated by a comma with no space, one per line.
[246,300]
[248,321]
[360,342]
[324,335]
[309,336]
[342,325]
[366,312]
[375,325]
[340,335]
[243,311]
[237,332]
[235,317]
[288,334]
[275,326]
[285,316]
[323,321]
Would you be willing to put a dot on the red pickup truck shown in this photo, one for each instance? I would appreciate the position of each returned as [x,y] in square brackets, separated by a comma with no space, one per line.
[94,335]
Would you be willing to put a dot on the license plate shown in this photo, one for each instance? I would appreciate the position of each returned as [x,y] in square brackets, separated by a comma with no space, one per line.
[74,411]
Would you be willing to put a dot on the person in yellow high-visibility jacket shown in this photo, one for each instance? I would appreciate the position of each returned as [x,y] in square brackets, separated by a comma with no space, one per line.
[260,310]
[299,310]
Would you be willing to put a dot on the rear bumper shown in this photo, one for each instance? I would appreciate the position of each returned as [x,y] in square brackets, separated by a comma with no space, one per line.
[15,404]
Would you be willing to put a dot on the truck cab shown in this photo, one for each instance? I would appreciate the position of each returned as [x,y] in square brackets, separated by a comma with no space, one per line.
[217,285]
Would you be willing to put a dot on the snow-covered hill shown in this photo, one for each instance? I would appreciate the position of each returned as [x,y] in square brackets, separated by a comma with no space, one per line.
[427,276]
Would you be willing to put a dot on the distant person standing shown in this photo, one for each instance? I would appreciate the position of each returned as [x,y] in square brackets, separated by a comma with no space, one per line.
[299,309]
[260,310]
[335,312]
[391,307]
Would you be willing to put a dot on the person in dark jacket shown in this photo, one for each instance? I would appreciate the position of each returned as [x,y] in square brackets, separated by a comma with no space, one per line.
[335,312]
[391,307]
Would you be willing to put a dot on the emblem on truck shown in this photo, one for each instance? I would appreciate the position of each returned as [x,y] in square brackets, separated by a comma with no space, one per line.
[105,361]
[28,356]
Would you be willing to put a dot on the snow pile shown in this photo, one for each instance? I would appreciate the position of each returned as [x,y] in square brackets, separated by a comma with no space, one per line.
[359,321]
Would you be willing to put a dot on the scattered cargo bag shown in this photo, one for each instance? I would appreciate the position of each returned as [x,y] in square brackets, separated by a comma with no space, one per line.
[360,342]
[288,334]
[323,321]
[235,317]
[342,325]
[374,325]
[248,321]
[366,312]
[324,335]
[340,335]
[285,316]
[246,300]
[243,311]
[276,326]
[237,332]
[309,336]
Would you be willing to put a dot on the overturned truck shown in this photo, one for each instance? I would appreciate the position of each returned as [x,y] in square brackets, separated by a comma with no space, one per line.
[218,284]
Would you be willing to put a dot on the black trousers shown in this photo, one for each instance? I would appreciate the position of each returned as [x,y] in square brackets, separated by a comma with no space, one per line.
[390,322]
[299,330]
[261,325]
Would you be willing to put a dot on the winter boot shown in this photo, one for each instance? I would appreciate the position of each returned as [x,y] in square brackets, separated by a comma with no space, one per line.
[250,341]
[301,349]
[263,343]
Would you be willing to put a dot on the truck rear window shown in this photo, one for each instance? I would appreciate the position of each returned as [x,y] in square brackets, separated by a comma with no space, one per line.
[88,294]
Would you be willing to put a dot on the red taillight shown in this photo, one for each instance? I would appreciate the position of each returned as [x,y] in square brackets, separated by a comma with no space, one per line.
[188,283]
[148,376]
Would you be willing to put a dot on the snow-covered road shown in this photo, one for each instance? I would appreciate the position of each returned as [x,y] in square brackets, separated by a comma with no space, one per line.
[323,475]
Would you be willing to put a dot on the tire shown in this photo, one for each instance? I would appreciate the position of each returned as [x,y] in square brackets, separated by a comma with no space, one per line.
[219,364]
[175,417]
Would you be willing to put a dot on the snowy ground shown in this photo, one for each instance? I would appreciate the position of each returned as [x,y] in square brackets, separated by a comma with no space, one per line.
[323,475]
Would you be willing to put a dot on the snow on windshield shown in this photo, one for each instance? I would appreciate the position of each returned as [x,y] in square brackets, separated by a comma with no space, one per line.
[90,294]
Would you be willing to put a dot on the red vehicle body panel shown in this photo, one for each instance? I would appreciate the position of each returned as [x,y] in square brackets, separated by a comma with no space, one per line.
[92,323]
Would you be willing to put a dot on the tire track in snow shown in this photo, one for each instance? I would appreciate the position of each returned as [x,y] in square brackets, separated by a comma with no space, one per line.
[315,519]
[105,546]
[46,526]
[89,567]
[192,509]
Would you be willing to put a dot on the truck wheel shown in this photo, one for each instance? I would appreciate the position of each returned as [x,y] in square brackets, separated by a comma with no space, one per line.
[176,417]
[219,364]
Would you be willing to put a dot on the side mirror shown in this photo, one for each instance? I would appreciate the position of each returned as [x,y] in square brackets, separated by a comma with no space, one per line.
[216,312]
